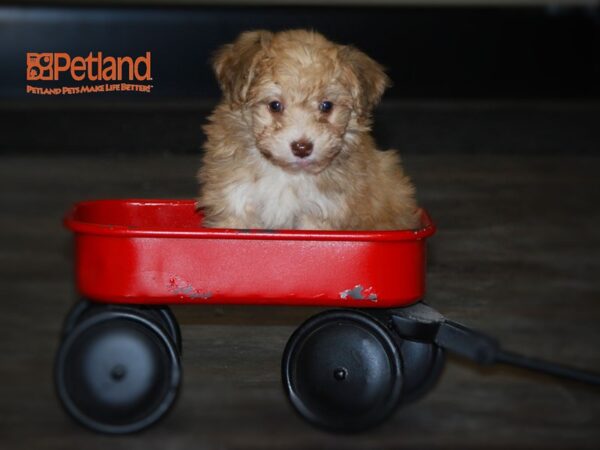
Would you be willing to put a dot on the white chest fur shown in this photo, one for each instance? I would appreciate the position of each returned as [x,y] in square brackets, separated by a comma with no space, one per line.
[274,198]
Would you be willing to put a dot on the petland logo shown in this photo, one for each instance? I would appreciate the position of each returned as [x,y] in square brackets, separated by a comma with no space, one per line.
[53,67]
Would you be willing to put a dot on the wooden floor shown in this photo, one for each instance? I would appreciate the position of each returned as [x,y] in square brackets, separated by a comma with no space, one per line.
[517,255]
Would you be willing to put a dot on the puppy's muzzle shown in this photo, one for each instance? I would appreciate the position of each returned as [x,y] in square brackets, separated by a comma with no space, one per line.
[302,148]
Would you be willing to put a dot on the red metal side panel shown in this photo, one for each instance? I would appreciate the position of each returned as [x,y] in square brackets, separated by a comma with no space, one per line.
[219,267]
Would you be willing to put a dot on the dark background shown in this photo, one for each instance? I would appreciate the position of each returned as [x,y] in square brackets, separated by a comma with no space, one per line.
[430,53]
[451,67]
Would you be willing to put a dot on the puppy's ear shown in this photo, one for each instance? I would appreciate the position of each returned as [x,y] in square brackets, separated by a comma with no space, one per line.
[234,64]
[366,77]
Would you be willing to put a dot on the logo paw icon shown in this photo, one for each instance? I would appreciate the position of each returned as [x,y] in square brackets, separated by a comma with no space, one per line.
[39,66]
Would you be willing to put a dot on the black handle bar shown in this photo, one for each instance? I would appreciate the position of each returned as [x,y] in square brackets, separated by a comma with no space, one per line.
[421,322]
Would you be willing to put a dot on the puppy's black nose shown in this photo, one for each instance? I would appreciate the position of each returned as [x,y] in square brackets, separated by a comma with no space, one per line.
[301,148]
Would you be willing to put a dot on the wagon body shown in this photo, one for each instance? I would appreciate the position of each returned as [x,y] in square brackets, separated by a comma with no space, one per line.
[157,252]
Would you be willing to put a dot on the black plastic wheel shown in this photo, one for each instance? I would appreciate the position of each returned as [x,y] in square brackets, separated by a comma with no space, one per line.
[168,320]
[118,371]
[76,314]
[342,371]
[423,365]
[84,308]
[422,360]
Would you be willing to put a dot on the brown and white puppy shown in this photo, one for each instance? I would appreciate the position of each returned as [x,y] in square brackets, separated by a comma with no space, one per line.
[289,144]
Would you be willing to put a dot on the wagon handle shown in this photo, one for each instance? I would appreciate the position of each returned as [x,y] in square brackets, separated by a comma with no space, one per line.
[422,322]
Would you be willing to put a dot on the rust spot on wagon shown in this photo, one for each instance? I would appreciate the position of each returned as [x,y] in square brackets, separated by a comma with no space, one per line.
[359,292]
[183,289]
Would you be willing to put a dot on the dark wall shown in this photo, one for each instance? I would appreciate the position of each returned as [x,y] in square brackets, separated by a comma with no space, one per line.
[430,52]
[537,57]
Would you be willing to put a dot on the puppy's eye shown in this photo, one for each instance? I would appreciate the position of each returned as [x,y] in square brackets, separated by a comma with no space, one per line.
[325,106]
[275,106]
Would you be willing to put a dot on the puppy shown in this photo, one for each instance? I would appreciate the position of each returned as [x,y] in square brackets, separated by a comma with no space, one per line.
[289,145]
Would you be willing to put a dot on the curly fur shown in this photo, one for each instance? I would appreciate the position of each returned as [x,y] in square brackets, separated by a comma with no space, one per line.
[251,179]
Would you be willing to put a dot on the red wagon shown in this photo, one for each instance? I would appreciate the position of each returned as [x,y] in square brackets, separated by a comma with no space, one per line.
[155,251]
[118,367]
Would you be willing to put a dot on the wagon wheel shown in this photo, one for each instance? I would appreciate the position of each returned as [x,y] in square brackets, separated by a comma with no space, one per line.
[75,314]
[117,371]
[83,308]
[423,365]
[168,320]
[342,371]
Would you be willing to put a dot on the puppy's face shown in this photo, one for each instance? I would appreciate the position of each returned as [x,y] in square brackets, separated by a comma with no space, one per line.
[302,96]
